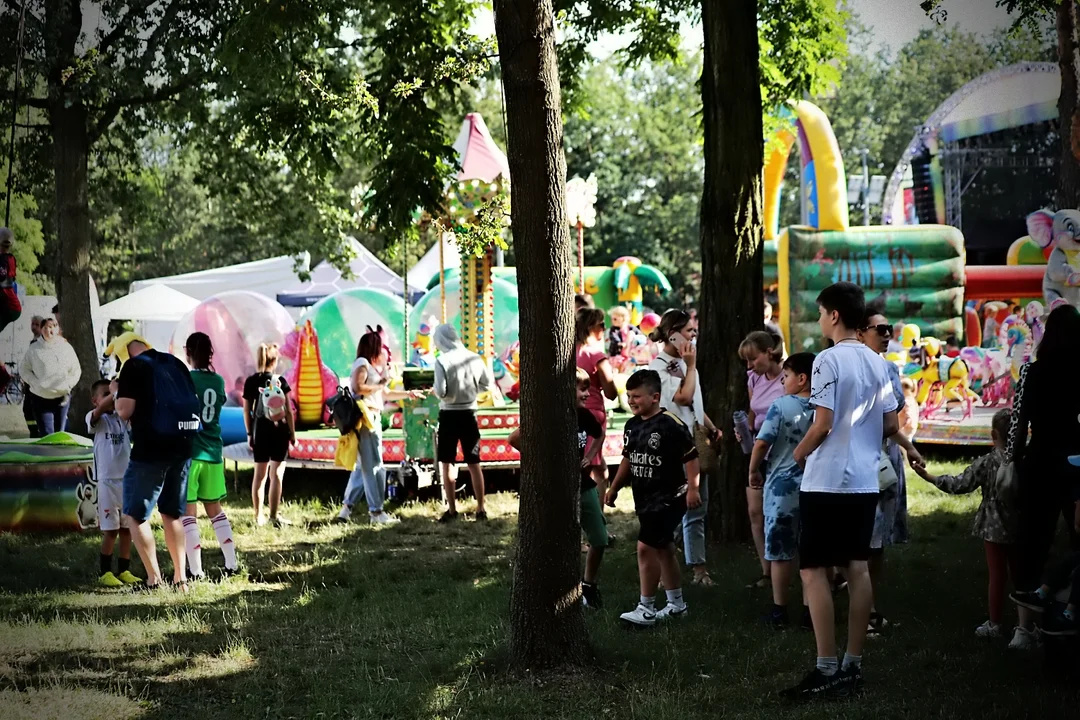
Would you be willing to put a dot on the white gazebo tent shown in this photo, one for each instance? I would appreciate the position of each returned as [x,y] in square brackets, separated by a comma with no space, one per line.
[154,311]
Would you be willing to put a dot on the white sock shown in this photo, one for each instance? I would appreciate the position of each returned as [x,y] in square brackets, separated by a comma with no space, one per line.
[223,530]
[649,602]
[674,597]
[193,546]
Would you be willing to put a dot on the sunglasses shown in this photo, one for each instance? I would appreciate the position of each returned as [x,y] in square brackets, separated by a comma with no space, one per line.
[882,330]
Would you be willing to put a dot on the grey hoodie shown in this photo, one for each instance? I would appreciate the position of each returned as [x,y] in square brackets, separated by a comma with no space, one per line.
[460,374]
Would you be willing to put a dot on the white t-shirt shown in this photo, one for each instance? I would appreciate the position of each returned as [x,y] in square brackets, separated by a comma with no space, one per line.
[112,446]
[672,371]
[374,400]
[851,380]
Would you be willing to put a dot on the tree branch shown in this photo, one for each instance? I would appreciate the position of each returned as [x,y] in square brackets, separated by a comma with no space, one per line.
[110,110]
[39,103]
[31,18]
[122,27]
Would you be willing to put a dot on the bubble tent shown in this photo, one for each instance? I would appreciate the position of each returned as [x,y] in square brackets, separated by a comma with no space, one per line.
[342,318]
[237,322]
[506,310]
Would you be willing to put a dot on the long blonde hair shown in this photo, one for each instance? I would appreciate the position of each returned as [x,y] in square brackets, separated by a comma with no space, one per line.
[267,357]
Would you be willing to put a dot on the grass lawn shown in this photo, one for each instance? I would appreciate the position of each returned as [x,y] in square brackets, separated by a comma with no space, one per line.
[410,621]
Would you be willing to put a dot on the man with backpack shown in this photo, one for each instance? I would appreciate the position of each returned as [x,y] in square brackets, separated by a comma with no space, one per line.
[156,395]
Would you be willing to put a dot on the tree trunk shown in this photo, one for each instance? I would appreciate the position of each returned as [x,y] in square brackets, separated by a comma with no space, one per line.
[731,236]
[71,147]
[547,626]
[1068,194]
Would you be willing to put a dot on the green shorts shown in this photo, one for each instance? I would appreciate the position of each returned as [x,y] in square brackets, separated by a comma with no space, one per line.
[205,481]
[593,523]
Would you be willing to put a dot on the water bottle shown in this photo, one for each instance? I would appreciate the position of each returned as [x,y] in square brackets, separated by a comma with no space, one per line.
[742,426]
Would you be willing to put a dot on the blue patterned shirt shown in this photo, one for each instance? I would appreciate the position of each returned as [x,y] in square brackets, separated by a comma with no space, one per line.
[787,421]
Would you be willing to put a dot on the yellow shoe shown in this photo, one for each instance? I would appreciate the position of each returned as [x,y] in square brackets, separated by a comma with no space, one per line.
[110,581]
[128,579]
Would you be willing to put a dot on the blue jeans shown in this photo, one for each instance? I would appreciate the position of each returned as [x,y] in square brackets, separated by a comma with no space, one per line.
[368,478]
[693,526]
[161,482]
[50,415]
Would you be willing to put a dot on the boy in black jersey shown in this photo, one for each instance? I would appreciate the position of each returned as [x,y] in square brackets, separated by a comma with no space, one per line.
[661,463]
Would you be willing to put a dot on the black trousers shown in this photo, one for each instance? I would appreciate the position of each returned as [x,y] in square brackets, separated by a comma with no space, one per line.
[1046,493]
[1064,573]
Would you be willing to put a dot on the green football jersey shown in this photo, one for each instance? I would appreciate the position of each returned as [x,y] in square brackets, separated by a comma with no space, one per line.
[211,391]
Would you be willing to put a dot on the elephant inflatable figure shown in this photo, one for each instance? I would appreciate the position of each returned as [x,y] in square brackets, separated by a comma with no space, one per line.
[1061,232]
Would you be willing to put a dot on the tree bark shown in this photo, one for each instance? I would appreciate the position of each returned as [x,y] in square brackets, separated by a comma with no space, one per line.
[547,625]
[731,237]
[68,119]
[1068,194]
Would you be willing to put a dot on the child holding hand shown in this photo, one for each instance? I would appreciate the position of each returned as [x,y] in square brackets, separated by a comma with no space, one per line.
[995,521]
[786,423]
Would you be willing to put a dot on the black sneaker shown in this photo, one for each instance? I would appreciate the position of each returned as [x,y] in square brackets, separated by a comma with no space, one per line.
[807,622]
[590,594]
[815,686]
[481,516]
[1030,600]
[449,516]
[776,618]
[851,682]
[1059,624]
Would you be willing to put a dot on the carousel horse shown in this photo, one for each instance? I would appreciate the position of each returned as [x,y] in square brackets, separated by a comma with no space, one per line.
[942,380]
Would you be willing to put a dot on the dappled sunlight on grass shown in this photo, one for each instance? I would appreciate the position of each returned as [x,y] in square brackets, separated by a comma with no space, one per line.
[59,703]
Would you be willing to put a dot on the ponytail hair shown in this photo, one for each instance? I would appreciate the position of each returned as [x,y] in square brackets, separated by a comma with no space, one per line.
[759,342]
[671,322]
[267,357]
[585,321]
[201,351]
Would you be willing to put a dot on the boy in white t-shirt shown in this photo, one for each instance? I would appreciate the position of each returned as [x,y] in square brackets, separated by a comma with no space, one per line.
[112,449]
[854,410]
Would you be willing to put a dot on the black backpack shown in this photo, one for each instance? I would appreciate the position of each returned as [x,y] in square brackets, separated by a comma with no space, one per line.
[345,413]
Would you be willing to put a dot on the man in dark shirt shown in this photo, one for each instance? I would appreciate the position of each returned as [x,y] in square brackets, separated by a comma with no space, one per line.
[157,473]
[660,461]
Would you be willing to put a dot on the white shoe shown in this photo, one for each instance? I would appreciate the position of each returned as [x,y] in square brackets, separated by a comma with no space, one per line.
[988,630]
[345,514]
[672,611]
[1025,639]
[641,615]
[383,518]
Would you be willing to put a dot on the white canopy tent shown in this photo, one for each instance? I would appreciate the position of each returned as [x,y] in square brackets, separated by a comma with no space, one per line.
[267,277]
[154,311]
[427,267]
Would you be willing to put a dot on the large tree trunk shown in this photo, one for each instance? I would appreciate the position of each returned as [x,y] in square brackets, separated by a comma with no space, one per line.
[547,626]
[731,236]
[71,147]
[1068,194]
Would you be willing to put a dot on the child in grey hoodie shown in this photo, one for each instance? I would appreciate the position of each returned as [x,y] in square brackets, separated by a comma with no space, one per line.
[460,377]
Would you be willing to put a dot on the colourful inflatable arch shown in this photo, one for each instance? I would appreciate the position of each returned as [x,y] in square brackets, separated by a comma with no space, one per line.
[918,271]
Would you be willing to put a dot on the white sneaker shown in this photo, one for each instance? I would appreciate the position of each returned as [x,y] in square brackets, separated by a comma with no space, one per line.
[641,615]
[672,611]
[345,514]
[383,518]
[988,630]
[1025,639]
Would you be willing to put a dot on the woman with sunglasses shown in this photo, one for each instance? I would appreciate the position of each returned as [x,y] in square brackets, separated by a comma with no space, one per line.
[890,522]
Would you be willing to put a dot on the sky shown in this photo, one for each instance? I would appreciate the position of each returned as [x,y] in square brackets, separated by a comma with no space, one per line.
[894,22]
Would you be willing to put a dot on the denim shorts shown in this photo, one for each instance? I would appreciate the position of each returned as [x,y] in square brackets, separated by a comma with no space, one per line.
[162,483]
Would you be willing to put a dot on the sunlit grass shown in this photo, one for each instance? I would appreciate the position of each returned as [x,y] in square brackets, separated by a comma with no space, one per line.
[411,621]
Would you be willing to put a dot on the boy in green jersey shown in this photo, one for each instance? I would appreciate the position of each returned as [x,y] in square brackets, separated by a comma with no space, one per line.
[206,475]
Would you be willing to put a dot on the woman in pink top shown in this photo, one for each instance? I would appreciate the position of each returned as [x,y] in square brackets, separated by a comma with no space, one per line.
[762,353]
[589,340]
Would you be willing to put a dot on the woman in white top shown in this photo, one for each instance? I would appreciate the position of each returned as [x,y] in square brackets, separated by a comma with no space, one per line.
[681,395]
[368,380]
[51,371]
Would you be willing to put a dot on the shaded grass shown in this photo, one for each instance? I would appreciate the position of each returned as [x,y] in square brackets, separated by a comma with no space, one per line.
[410,622]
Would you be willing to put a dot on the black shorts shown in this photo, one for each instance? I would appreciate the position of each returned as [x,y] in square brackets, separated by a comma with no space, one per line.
[836,528]
[458,426]
[658,527]
[271,441]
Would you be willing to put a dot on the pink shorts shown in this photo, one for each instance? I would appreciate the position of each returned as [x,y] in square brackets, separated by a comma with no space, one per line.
[601,418]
